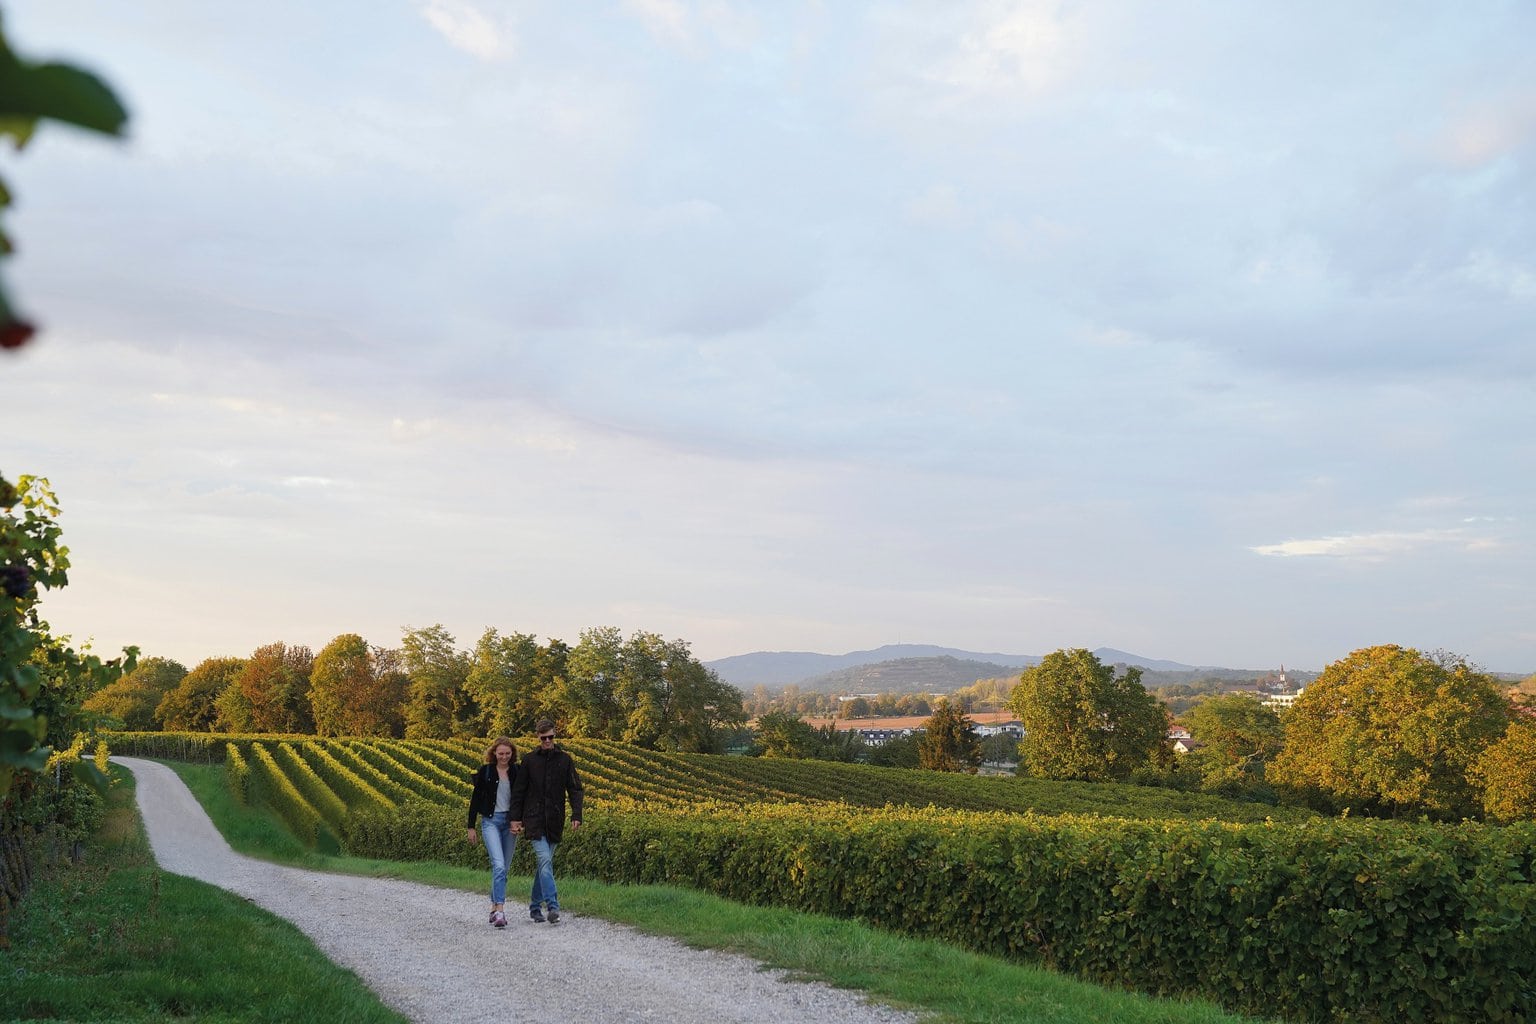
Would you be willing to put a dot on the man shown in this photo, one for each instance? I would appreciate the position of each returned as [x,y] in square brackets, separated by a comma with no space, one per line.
[538,812]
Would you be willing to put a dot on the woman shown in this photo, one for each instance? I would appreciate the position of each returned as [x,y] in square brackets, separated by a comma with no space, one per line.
[489,801]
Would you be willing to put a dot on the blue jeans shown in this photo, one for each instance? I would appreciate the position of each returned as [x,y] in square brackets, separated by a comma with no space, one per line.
[500,841]
[543,875]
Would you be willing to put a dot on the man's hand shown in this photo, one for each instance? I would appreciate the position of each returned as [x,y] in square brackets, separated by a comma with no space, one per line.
[516,826]
[575,823]
[472,837]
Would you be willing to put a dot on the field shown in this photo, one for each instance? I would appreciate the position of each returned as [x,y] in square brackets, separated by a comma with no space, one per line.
[1262,910]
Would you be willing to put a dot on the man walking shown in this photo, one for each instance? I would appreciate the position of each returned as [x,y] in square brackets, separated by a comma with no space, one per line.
[538,812]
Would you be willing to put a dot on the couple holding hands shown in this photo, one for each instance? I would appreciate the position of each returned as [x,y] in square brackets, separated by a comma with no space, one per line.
[526,799]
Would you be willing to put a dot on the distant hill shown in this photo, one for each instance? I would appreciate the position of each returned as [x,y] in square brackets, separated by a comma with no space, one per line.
[780,668]
[812,671]
[941,674]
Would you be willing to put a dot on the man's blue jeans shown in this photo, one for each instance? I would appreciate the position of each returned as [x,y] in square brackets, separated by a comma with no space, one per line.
[544,875]
[500,842]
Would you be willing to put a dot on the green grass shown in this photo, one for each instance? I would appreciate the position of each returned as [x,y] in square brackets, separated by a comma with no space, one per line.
[954,985]
[116,939]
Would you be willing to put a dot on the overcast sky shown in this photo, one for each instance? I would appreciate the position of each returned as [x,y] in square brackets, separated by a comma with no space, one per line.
[1198,330]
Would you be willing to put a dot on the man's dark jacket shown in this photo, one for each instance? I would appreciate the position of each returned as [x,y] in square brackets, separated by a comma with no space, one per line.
[539,792]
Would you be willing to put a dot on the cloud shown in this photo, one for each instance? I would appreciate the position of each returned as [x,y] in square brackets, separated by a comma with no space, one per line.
[1375,547]
[468,28]
[667,20]
[1014,51]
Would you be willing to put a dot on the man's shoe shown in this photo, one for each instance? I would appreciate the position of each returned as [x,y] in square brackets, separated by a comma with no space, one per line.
[554,915]
[535,916]
[493,918]
[499,919]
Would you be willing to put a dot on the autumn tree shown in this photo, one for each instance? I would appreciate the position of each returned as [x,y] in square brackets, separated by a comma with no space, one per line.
[274,685]
[132,700]
[1505,774]
[1083,722]
[192,705]
[438,705]
[855,707]
[1238,737]
[1392,731]
[949,742]
[357,690]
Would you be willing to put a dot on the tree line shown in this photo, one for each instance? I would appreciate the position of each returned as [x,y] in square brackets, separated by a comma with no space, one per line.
[1387,731]
[642,689]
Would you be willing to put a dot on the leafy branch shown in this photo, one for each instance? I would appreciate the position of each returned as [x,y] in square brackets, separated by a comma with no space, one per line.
[32,92]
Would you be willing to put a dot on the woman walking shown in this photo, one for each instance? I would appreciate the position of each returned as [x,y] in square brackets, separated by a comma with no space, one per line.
[490,801]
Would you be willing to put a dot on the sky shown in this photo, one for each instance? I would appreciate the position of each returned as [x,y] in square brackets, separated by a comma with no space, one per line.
[1199,330]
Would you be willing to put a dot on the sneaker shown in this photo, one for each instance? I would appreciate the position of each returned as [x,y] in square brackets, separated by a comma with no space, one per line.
[499,919]
[493,918]
[554,915]
[535,916]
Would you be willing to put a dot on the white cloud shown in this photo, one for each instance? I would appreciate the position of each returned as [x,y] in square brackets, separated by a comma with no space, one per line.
[468,28]
[1375,546]
[1019,49]
[667,20]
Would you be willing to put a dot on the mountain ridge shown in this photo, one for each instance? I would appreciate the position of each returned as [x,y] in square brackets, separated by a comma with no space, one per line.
[783,668]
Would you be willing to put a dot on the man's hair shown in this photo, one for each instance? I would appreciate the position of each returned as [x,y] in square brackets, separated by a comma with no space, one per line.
[544,725]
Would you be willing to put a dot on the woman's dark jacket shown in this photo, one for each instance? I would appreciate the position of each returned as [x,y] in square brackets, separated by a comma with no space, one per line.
[538,795]
[482,802]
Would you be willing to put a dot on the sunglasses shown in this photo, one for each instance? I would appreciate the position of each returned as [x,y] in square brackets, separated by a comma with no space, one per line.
[550,736]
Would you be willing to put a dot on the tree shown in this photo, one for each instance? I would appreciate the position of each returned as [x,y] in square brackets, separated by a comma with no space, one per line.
[1238,737]
[646,691]
[191,706]
[949,742]
[1392,731]
[896,752]
[1082,722]
[439,704]
[511,679]
[855,707]
[1000,748]
[1506,774]
[781,734]
[232,708]
[275,684]
[357,690]
[132,700]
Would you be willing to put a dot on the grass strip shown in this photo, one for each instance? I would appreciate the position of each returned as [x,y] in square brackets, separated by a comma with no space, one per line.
[951,984]
[116,939]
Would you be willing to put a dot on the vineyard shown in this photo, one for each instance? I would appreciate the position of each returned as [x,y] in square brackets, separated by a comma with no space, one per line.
[1265,910]
[338,777]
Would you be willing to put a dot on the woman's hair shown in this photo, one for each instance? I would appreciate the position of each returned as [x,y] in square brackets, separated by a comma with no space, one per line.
[499,741]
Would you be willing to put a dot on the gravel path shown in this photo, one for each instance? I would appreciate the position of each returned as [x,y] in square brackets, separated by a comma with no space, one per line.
[429,953]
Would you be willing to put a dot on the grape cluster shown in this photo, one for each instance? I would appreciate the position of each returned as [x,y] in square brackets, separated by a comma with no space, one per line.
[16,580]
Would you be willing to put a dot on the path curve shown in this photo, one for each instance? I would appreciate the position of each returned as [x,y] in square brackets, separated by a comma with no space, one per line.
[430,955]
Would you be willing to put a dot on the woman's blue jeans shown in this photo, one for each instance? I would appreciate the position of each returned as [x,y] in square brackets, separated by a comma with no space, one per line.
[500,841]
[544,875]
